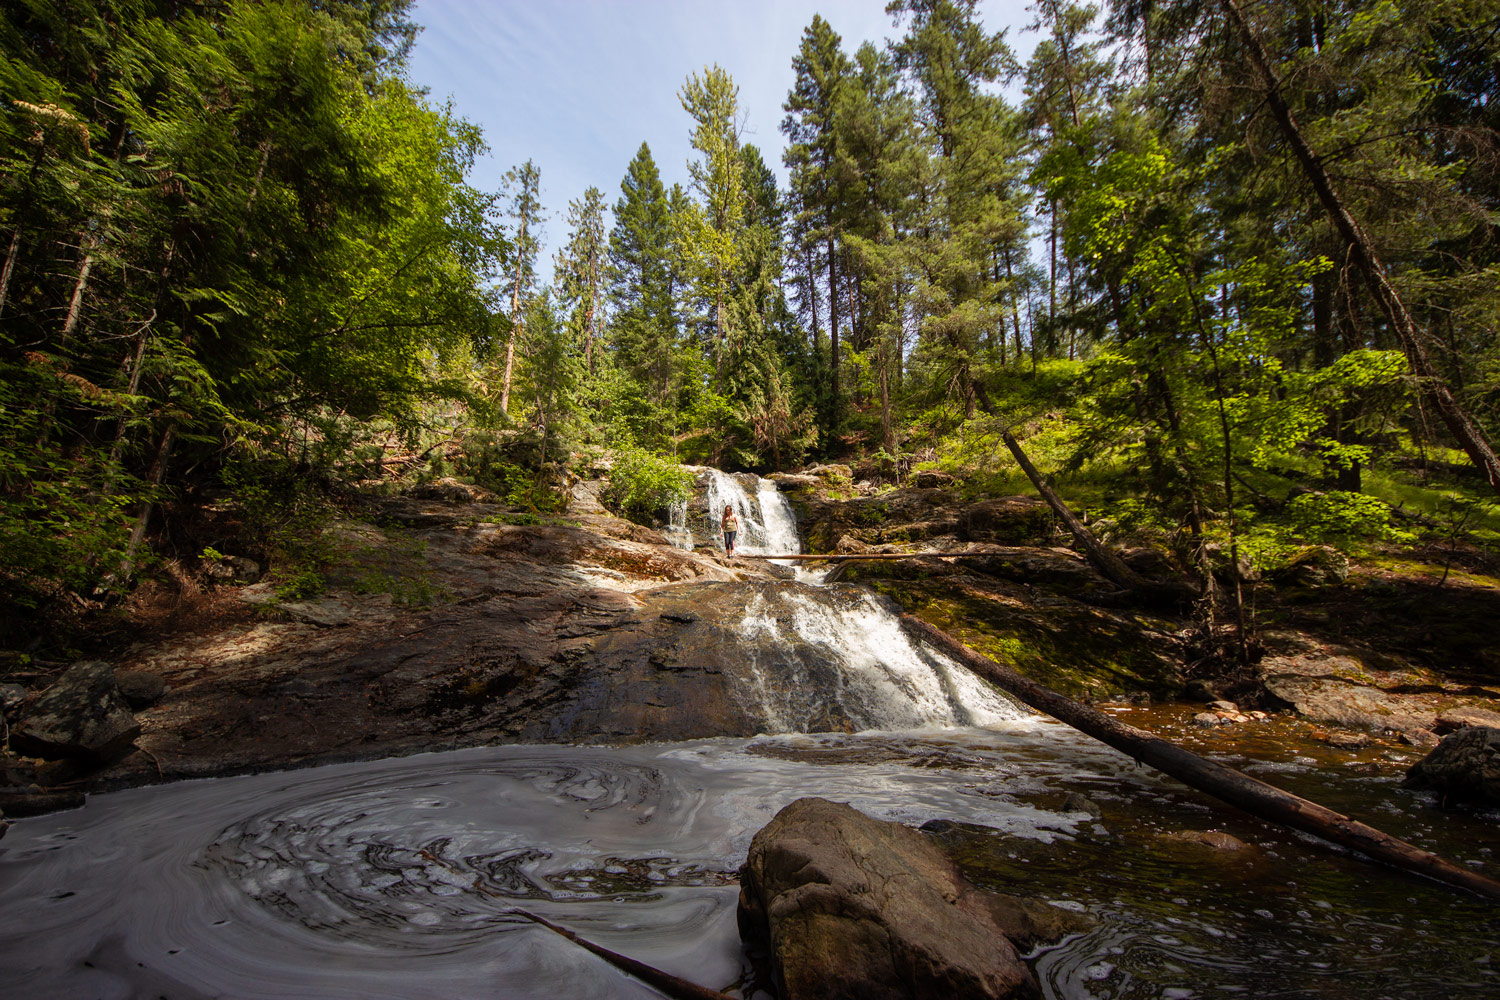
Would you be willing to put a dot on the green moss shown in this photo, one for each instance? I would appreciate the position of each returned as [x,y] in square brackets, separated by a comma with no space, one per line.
[1077,651]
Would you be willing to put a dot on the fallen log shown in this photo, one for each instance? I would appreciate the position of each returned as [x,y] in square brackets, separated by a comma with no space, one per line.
[849,557]
[1251,795]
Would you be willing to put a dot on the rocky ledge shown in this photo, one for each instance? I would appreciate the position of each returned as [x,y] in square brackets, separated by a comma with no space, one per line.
[460,622]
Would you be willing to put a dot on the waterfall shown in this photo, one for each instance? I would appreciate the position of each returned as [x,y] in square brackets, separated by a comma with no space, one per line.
[780,522]
[820,659]
[767,524]
[677,530]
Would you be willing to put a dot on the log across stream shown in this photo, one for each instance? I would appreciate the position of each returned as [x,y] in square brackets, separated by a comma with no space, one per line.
[1255,797]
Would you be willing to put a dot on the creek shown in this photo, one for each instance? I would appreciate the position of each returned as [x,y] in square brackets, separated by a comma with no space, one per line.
[397,878]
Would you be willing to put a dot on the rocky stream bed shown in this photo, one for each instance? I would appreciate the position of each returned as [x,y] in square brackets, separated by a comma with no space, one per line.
[451,623]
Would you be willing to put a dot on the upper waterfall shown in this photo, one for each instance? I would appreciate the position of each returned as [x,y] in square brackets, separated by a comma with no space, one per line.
[767,524]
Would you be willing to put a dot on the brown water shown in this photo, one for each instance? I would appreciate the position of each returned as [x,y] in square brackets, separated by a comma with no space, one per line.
[1288,916]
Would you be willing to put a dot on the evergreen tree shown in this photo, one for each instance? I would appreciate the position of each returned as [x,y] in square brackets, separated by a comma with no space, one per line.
[643,324]
[974,199]
[710,231]
[580,271]
[822,71]
[524,183]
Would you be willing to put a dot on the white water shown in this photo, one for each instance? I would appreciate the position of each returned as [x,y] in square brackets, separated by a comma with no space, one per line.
[809,648]
[396,878]
[767,524]
[677,531]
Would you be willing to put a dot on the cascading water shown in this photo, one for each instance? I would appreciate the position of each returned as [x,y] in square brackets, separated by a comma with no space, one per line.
[810,650]
[767,524]
[400,878]
[677,531]
[778,521]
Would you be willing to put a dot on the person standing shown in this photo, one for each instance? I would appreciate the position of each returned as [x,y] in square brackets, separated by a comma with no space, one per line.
[731,527]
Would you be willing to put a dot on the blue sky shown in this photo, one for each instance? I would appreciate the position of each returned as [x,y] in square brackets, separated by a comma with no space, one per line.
[578,85]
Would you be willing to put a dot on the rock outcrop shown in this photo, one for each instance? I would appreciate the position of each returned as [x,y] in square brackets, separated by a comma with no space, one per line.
[81,716]
[1007,521]
[847,906]
[1358,688]
[1465,767]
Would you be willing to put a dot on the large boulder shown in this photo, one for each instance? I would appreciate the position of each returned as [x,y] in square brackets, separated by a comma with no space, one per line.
[1464,767]
[1006,521]
[897,516]
[140,688]
[846,906]
[450,490]
[1314,566]
[929,479]
[82,716]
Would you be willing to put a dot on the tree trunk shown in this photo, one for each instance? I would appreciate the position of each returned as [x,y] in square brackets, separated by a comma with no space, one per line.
[260,175]
[1255,797]
[138,533]
[1468,434]
[1015,310]
[833,330]
[75,302]
[510,364]
[1104,560]
[1072,315]
[672,986]
[517,324]
[887,429]
[142,337]
[10,266]
[1052,279]
[588,343]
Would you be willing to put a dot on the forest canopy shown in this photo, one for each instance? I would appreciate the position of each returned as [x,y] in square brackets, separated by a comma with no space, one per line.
[1221,259]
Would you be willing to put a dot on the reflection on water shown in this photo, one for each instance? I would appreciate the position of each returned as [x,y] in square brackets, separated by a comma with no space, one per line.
[397,878]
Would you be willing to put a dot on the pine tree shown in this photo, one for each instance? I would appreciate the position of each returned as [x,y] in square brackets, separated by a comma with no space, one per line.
[822,69]
[710,232]
[974,199]
[580,270]
[524,183]
[643,326]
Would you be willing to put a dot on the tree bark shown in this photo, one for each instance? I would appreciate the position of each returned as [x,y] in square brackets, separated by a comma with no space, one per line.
[10,266]
[517,324]
[833,329]
[1468,434]
[887,428]
[142,338]
[1104,560]
[1052,279]
[1255,797]
[138,533]
[75,301]
[1015,309]
[670,985]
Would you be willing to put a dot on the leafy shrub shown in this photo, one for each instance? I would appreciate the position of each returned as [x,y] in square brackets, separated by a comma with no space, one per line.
[285,514]
[1340,516]
[307,583]
[643,484]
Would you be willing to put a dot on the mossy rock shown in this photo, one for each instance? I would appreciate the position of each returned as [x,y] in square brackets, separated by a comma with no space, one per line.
[1077,650]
